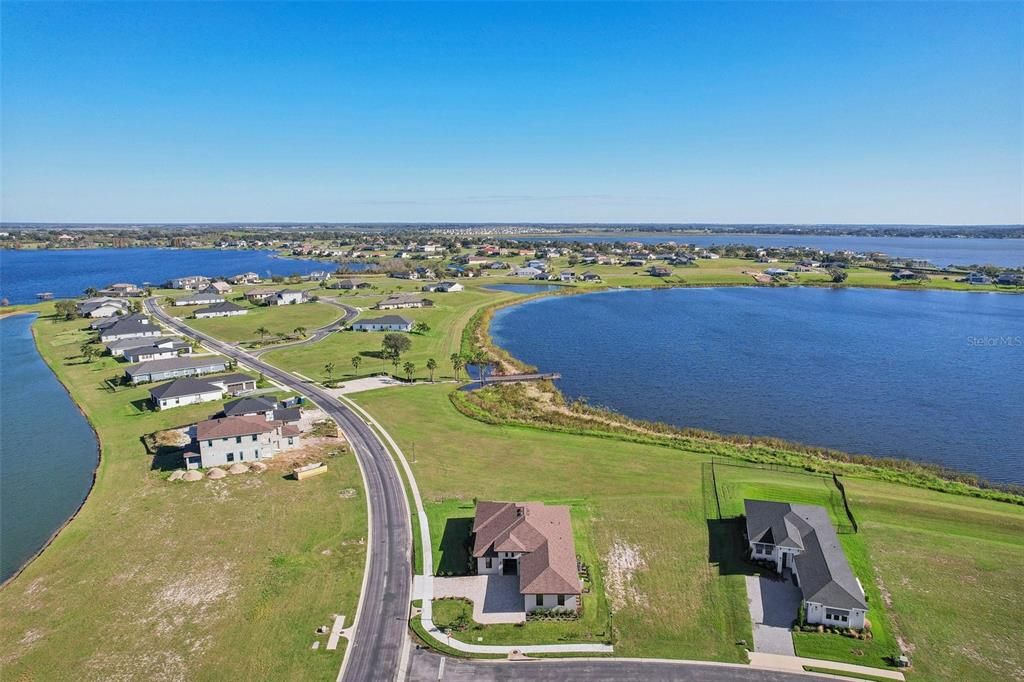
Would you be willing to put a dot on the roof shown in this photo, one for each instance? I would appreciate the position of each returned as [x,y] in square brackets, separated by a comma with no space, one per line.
[128,327]
[129,344]
[229,427]
[386,319]
[225,307]
[288,414]
[235,378]
[261,292]
[542,533]
[403,298]
[201,296]
[250,405]
[825,574]
[183,387]
[190,362]
[289,291]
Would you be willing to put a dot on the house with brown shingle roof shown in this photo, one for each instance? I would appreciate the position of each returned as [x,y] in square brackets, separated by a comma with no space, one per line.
[219,442]
[534,541]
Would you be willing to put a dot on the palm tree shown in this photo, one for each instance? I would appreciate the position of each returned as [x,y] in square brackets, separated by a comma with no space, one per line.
[329,370]
[396,360]
[431,366]
[89,351]
[421,327]
[300,332]
[262,331]
[409,369]
[356,361]
[457,364]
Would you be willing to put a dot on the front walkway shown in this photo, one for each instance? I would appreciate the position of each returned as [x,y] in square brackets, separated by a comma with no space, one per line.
[495,598]
[773,608]
[797,663]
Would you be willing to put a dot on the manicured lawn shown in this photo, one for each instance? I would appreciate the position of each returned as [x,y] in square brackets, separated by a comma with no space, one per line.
[206,580]
[456,615]
[643,514]
[280,320]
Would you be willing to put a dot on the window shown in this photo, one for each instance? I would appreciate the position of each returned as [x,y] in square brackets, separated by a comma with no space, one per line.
[291,441]
[209,443]
[561,600]
[487,562]
[230,457]
[540,600]
[238,439]
[254,438]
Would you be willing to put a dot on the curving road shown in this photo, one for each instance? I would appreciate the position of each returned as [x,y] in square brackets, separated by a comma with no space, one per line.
[318,334]
[379,632]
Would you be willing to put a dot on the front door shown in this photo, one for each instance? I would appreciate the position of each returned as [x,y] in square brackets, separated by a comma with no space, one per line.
[785,556]
[509,566]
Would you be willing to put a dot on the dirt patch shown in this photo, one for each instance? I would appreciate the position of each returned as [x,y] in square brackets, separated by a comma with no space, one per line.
[624,562]
[347,493]
[311,450]
[173,438]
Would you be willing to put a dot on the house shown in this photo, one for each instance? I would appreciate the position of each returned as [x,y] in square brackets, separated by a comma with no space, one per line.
[154,351]
[387,323]
[106,323]
[194,282]
[226,309]
[444,287]
[318,276]
[350,283]
[903,274]
[187,391]
[260,295]
[289,297]
[659,271]
[122,290]
[801,539]
[589,276]
[776,272]
[221,441]
[978,278]
[219,287]
[234,384]
[246,278]
[526,272]
[535,542]
[128,329]
[199,298]
[264,405]
[117,348]
[172,368]
[101,307]
[1011,278]
[567,276]
[396,301]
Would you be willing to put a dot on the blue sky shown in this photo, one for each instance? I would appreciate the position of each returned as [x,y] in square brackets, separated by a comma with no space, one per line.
[665,112]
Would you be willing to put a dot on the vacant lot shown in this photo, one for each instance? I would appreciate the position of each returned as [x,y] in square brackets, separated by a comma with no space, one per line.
[160,580]
[278,320]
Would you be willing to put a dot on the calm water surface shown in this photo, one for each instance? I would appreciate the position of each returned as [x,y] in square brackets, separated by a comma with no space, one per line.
[939,251]
[929,375]
[69,272]
[47,449]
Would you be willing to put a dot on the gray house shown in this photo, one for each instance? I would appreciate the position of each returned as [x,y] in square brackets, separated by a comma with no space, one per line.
[172,368]
[200,298]
[801,541]
[387,323]
[129,329]
[155,351]
[226,309]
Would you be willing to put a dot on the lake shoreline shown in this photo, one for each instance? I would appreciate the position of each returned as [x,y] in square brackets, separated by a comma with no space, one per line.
[482,336]
[95,469]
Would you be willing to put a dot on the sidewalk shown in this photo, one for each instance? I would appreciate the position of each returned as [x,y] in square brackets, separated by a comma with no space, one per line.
[796,664]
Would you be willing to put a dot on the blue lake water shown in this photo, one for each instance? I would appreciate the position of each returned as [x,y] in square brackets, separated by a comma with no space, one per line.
[939,251]
[48,452]
[928,375]
[68,272]
[524,288]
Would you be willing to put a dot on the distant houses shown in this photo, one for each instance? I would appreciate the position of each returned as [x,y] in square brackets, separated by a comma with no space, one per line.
[978,278]
[350,283]
[387,323]
[121,290]
[225,309]
[246,278]
[193,282]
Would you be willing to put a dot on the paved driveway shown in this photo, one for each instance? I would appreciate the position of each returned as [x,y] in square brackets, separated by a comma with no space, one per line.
[773,607]
[495,598]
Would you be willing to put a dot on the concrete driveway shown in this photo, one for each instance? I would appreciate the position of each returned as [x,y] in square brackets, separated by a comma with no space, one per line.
[495,598]
[773,608]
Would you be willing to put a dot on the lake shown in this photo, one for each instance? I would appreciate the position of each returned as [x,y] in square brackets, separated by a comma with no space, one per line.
[939,251]
[68,272]
[928,375]
[48,451]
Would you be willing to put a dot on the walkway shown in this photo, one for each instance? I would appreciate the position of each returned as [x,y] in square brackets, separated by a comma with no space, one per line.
[797,663]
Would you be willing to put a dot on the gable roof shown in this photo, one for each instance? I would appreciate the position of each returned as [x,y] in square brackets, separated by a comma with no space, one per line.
[825,574]
[543,536]
[183,387]
[224,307]
[230,427]
[250,404]
[189,362]
[129,327]
[385,319]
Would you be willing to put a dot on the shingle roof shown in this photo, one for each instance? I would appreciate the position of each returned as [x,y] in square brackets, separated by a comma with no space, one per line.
[229,427]
[825,574]
[542,533]
[183,387]
[385,319]
[128,327]
[191,362]
[225,307]
[250,405]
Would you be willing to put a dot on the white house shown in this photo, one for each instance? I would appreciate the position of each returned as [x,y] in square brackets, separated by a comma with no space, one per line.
[387,323]
[220,442]
[128,329]
[200,298]
[156,351]
[801,541]
[246,278]
[187,391]
[449,287]
[527,272]
[103,306]
[226,309]
[191,282]
[403,301]
[535,542]
[289,297]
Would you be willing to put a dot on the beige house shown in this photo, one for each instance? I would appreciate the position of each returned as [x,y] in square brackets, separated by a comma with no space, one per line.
[534,541]
[220,442]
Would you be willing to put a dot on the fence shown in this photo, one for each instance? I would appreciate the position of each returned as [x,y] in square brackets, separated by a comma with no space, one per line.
[846,503]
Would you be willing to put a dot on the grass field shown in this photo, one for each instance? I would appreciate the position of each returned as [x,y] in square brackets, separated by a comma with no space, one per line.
[280,320]
[159,580]
[682,598]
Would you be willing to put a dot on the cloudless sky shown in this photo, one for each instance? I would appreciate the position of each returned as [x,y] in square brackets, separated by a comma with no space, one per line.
[668,112]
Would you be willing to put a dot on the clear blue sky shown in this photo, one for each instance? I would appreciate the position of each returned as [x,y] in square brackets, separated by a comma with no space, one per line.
[823,112]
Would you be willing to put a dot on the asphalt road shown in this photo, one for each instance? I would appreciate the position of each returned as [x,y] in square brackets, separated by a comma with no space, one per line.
[317,334]
[426,666]
[380,632]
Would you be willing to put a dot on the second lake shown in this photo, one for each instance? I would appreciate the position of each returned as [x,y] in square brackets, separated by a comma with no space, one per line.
[933,376]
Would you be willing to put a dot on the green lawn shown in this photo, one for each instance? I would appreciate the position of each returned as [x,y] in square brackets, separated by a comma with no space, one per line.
[280,320]
[684,596]
[205,581]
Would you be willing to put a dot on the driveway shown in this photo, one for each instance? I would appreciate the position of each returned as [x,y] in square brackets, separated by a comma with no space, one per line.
[495,598]
[773,608]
